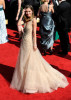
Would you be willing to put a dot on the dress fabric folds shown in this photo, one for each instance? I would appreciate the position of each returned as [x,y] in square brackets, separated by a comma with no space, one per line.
[32,73]
[47,30]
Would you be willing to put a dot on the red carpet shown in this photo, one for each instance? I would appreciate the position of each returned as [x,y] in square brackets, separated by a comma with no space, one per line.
[8,57]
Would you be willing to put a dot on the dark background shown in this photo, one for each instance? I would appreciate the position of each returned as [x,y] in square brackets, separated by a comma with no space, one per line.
[11,11]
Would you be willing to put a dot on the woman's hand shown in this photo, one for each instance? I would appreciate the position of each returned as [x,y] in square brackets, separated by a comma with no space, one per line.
[35,48]
[16,18]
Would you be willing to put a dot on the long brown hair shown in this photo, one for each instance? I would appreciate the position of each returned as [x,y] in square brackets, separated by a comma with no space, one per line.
[26,19]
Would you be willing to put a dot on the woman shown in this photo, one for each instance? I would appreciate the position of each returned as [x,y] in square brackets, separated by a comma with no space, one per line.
[32,73]
[36,5]
[46,26]
[19,10]
[15,12]
[3,31]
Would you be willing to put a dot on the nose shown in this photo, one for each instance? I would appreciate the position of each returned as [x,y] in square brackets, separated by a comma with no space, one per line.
[28,12]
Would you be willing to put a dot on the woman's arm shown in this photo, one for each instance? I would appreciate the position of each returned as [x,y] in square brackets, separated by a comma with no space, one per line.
[3,4]
[19,22]
[38,14]
[34,33]
[19,8]
[52,8]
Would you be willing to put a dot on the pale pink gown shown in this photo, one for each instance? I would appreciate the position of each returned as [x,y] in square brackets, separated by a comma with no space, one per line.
[32,73]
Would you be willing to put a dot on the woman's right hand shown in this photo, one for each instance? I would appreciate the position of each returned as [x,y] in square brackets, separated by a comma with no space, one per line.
[23,11]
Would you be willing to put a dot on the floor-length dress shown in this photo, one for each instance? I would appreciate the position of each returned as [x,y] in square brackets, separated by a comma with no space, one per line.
[46,29]
[3,31]
[32,73]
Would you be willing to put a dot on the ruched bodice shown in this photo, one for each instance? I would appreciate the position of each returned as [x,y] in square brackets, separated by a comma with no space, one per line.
[27,35]
[47,14]
[28,29]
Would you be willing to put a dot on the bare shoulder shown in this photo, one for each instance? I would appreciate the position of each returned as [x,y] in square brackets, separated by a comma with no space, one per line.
[42,5]
[51,5]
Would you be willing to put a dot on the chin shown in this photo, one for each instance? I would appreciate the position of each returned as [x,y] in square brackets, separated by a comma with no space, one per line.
[29,16]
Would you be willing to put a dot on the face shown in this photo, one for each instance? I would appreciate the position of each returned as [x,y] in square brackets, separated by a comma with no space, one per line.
[28,12]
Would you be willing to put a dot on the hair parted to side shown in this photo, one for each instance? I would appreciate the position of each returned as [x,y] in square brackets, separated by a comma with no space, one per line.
[25,17]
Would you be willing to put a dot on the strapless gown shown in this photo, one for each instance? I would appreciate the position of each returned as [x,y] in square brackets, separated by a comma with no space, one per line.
[3,31]
[32,73]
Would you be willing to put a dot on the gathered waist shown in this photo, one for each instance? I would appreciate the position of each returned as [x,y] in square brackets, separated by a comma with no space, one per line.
[1,9]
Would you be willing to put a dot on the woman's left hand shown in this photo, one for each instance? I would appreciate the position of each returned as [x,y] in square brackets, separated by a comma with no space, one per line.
[16,18]
[35,48]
